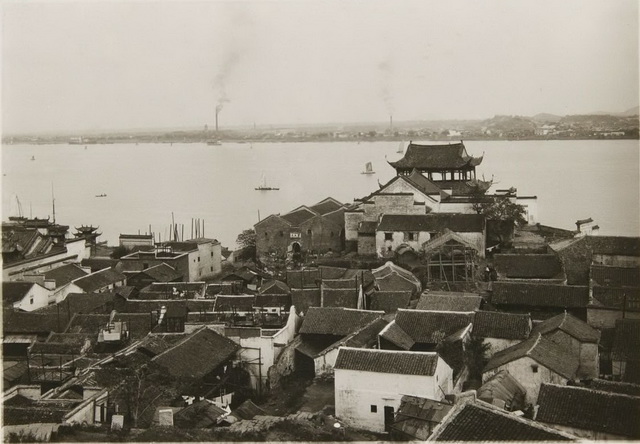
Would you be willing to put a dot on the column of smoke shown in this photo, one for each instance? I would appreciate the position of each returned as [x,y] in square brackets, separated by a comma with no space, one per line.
[218,109]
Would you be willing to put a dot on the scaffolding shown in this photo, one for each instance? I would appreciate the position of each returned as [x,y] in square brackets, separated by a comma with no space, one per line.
[451,262]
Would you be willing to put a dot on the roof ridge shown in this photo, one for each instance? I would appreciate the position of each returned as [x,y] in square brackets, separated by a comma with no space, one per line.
[536,342]
[589,389]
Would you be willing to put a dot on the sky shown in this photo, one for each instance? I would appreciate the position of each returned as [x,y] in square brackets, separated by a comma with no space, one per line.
[108,65]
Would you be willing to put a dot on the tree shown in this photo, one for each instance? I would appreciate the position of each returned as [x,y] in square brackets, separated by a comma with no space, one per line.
[247,238]
[120,251]
[475,356]
[501,213]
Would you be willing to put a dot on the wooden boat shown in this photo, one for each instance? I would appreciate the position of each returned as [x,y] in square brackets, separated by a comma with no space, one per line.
[264,187]
[101,195]
[401,148]
[214,142]
[368,169]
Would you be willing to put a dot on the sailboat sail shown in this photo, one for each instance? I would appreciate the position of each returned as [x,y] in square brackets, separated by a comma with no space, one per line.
[368,168]
[263,185]
[401,147]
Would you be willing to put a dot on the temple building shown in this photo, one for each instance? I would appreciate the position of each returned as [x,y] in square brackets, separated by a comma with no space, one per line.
[439,163]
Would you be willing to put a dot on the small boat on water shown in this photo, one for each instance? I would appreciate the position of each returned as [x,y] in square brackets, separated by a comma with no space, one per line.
[264,187]
[214,142]
[401,148]
[33,157]
[101,195]
[368,169]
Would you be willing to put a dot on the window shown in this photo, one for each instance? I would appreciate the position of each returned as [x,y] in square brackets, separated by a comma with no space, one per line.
[145,266]
[374,408]
[266,234]
[309,232]
[331,234]
[212,254]
[198,258]
[388,236]
[534,368]
[31,301]
[211,268]
[282,234]
[411,236]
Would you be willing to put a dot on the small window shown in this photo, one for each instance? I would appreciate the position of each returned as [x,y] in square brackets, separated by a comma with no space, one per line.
[374,408]
[211,268]
[266,234]
[309,232]
[534,368]
[31,301]
[212,254]
[282,234]
[411,236]
[388,236]
[198,258]
[331,234]
[145,266]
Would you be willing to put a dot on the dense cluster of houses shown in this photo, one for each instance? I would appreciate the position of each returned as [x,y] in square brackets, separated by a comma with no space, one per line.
[442,339]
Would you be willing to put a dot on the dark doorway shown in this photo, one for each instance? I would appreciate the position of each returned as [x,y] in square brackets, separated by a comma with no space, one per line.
[304,365]
[296,247]
[388,418]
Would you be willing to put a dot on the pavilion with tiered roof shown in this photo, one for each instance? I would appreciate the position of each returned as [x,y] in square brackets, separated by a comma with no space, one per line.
[438,162]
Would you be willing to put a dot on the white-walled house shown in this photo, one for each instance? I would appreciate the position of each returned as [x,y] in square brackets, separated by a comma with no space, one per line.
[533,362]
[26,296]
[369,384]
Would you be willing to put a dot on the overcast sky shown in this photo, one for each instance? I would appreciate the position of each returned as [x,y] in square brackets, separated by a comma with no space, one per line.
[155,64]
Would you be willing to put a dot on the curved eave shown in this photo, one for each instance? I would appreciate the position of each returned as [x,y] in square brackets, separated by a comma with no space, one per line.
[475,161]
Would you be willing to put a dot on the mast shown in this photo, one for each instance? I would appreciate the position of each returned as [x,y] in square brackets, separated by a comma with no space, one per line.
[53,202]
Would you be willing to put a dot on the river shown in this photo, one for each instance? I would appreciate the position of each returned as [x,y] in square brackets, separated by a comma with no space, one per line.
[145,183]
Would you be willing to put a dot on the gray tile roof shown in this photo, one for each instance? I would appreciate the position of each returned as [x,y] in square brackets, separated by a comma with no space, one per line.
[442,302]
[302,299]
[389,301]
[340,297]
[609,276]
[387,361]
[528,266]
[431,327]
[397,336]
[336,321]
[626,342]
[479,421]
[460,223]
[15,291]
[65,274]
[623,388]
[588,409]
[540,295]
[495,324]
[541,350]
[580,330]
[99,280]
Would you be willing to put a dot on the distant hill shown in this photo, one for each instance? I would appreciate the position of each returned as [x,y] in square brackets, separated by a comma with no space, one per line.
[630,112]
[546,117]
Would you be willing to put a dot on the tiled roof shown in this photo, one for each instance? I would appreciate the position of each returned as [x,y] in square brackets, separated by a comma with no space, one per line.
[614,245]
[336,321]
[98,263]
[99,303]
[431,327]
[395,282]
[17,322]
[422,183]
[580,330]
[302,278]
[65,274]
[461,223]
[623,388]
[541,350]
[365,277]
[274,287]
[197,355]
[504,387]
[626,342]
[389,301]
[608,276]
[339,283]
[335,217]
[99,279]
[416,416]
[199,415]
[247,410]
[397,336]
[436,157]
[328,272]
[87,323]
[326,206]
[302,299]
[494,324]
[611,297]
[340,297]
[155,344]
[588,409]
[447,237]
[273,300]
[15,291]
[479,421]
[387,361]
[162,273]
[234,303]
[528,266]
[299,215]
[367,336]
[445,302]
[193,305]
[541,295]
[173,290]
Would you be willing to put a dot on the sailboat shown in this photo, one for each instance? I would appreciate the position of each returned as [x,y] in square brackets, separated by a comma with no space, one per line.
[401,147]
[264,187]
[33,157]
[368,169]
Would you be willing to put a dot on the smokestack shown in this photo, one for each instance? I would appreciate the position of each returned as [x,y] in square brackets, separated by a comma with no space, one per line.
[390,123]
[218,109]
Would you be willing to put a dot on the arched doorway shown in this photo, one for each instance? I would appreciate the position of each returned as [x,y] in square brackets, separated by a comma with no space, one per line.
[295,247]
